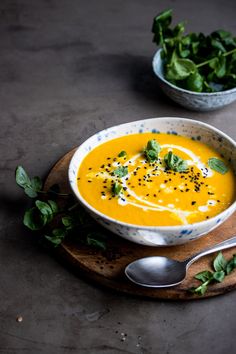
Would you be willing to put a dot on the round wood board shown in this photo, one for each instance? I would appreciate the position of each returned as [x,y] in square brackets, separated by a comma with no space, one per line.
[107,267]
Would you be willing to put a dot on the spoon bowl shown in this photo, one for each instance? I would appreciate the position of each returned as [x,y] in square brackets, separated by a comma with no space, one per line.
[156,272]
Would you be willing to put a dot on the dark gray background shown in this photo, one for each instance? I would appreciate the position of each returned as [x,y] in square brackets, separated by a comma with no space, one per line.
[68,69]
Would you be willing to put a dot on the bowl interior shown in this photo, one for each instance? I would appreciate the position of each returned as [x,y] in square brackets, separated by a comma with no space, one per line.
[176,126]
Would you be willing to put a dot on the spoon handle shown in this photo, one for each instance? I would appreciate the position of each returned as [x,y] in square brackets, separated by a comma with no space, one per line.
[231,242]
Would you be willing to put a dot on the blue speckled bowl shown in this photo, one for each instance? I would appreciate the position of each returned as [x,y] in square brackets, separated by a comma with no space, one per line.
[197,101]
[156,235]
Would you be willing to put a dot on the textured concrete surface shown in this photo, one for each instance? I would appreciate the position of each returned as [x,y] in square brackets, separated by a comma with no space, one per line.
[68,69]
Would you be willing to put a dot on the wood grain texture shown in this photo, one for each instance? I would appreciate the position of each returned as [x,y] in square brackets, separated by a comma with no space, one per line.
[107,267]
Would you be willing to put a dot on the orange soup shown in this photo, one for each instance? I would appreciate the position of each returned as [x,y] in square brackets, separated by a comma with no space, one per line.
[156,180]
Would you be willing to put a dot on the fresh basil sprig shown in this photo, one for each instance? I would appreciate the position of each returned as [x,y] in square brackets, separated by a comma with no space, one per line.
[217,165]
[70,218]
[152,150]
[221,267]
[175,163]
[194,61]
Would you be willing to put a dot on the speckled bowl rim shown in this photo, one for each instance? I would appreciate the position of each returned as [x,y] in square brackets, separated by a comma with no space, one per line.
[161,77]
[76,192]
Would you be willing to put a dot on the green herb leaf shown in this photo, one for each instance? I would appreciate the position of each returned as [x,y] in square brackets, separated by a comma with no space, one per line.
[160,25]
[44,209]
[36,183]
[30,192]
[219,262]
[97,240]
[231,265]
[195,82]
[53,206]
[200,290]
[175,163]
[184,56]
[123,153]
[57,236]
[152,150]
[204,276]
[219,276]
[22,179]
[34,220]
[68,222]
[116,188]
[121,171]
[31,187]
[180,69]
[217,165]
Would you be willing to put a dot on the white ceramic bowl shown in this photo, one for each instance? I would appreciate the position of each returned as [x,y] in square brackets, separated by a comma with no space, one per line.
[197,101]
[156,235]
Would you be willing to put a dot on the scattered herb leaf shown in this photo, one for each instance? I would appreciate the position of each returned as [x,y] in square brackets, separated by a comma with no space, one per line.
[123,153]
[217,165]
[152,150]
[121,171]
[96,239]
[116,188]
[204,276]
[219,262]
[222,268]
[45,213]
[175,163]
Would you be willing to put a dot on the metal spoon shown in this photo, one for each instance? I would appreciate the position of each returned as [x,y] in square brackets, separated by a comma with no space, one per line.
[163,272]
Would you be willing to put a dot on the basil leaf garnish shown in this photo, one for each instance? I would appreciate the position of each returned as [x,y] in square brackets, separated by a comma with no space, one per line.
[217,165]
[175,163]
[123,153]
[116,188]
[121,171]
[152,150]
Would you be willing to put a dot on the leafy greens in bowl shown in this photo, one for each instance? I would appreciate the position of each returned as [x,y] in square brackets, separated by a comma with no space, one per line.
[195,70]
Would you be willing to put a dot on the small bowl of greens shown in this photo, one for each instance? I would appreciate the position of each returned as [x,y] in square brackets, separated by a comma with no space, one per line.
[194,70]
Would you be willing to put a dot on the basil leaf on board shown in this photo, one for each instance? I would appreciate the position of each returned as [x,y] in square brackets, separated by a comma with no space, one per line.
[204,276]
[231,265]
[220,262]
[219,276]
[217,165]
[57,236]
[97,240]
[175,163]
[121,171]
[68,222]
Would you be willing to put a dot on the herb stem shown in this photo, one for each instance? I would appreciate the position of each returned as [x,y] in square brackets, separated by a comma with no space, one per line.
[73,207]
[59,194]
[209,60]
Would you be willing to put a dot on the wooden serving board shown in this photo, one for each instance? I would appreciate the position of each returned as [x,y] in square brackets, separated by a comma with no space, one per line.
[107,267]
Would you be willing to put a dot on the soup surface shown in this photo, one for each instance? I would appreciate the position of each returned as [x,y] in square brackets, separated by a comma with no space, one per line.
[123,180]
